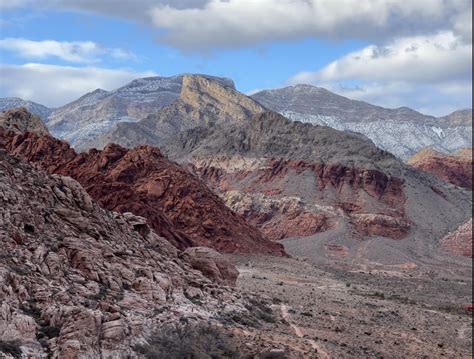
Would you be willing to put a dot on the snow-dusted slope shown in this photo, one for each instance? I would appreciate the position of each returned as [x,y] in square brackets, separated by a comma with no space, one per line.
[402,138]
[96,113]
[12,102]
[401,131]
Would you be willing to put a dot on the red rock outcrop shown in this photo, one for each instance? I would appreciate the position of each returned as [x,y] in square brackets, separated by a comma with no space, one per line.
[177,205]
[455,169]
[294,198]
[460,241]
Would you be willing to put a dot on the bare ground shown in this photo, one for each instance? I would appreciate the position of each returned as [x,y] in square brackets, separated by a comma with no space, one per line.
[334,311]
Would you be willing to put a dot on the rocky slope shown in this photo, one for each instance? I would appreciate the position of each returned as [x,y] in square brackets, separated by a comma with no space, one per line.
[455,168]
[21,120]
[77,281]
[177,205]
[401,131]
[460,241]
[294,179]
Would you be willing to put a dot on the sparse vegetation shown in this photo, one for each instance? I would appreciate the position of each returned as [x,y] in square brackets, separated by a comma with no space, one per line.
[50,331]
[191,341]
[10,347]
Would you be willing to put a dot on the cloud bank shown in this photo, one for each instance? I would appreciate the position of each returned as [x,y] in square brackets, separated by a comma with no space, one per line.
[53,86]
[76,51]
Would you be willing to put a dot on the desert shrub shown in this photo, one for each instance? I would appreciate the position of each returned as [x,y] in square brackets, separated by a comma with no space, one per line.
[190,341]
[11,347]
[49,331]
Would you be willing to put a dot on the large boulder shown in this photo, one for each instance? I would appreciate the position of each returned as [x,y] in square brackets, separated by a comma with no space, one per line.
[212,264]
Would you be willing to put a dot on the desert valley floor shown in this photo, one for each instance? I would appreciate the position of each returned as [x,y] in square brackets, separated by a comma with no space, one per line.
[344,311]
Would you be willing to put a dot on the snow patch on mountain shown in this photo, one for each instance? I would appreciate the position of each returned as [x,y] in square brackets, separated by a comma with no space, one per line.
[402,138]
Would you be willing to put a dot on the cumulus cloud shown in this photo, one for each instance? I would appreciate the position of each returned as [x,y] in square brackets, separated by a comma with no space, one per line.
[75,51]
[421,58]
[236,23]
[53,86]
[198,25]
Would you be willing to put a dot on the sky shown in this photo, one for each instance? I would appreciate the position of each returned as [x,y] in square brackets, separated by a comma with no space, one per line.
[392,53]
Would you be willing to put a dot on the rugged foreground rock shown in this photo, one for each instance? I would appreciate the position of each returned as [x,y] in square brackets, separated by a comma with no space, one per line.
[177,205]
[455,168]
[77,281]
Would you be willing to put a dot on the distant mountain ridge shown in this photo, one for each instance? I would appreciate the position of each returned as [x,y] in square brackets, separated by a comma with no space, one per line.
[89,120]
[401,131]
[8,103]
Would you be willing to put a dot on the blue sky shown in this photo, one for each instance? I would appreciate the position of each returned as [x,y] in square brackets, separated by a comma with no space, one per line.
[53,51]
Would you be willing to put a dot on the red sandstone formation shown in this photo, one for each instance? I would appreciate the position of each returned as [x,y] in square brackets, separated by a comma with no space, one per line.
[177,205]
[294,198]
[455,169]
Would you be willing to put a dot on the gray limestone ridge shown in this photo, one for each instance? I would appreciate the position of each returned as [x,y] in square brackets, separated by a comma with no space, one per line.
[401,131]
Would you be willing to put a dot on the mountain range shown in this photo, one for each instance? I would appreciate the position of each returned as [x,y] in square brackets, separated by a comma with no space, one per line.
[401,131]
[287,178]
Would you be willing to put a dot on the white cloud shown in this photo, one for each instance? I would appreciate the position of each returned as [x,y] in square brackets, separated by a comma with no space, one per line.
[52,85]
[422,58]
[235,23]
[431,74]
[208,24]
[74,51]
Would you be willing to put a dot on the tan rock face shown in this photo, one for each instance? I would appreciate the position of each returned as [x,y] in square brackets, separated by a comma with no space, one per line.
[460,241]
[142,181]
[77,281]
[230,105]
[455,169]
[20,120]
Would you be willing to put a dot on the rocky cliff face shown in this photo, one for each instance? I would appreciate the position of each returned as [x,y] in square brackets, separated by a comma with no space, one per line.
[79,281]
[21,120]
[455,168]
[401,131]
[177,205]
[294,198]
